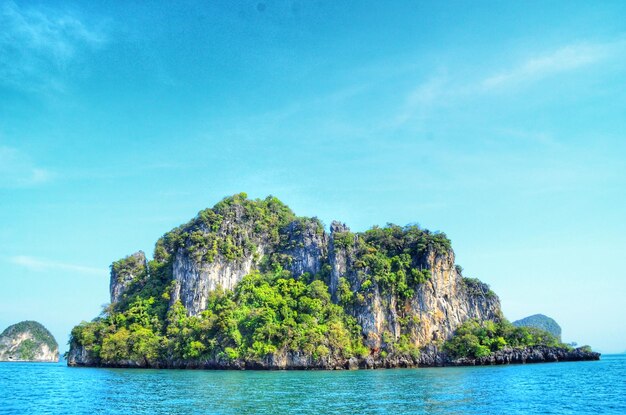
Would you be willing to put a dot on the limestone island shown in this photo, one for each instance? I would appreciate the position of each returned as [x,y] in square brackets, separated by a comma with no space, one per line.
[28,341]
[247,284]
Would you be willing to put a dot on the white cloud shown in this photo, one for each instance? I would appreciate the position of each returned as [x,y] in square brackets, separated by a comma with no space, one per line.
[41,265]
[438,91]
[17,170]
[419,101]
[565,59]
[37,46]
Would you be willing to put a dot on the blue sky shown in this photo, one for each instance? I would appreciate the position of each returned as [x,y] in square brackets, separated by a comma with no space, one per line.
[501,124]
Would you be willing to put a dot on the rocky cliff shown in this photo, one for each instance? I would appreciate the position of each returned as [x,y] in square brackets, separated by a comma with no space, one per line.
[438,305]
[436,308]
[219,251]
[28,341]
[440,298]
[247,283]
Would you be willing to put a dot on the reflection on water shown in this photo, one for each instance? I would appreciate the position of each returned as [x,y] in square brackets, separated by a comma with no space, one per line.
[563,388]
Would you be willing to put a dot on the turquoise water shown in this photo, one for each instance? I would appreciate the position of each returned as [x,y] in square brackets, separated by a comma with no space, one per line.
[552,388]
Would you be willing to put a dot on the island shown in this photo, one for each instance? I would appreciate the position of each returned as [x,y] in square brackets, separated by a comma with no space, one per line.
[247,284]
[28,341]
[542,322]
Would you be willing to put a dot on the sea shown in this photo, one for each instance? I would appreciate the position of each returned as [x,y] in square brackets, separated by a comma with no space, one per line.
[597,387]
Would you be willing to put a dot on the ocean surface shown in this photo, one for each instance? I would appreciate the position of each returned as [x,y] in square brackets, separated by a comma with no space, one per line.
[549,388]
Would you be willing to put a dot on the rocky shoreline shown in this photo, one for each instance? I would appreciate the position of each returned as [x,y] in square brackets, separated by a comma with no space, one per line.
[535,354]
[430,357]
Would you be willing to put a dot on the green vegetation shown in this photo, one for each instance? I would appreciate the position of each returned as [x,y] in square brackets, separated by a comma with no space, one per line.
[394,240]
[478,339]
[343,240]
[131,265]
[541,322]
[403,346]
[389,259]
[231,229]
[265,314]
[26,349]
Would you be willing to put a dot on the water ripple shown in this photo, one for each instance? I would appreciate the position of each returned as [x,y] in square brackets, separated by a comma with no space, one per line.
[563,388]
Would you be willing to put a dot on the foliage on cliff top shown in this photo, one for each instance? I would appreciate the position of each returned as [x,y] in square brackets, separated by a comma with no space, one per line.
[391,258]
[480,338]
[232,225]
[37,330]
[230,228]
[130,265]
[395,240]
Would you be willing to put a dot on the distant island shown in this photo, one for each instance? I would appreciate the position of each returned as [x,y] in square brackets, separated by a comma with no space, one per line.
[28,341]
[541,322]
[247,284]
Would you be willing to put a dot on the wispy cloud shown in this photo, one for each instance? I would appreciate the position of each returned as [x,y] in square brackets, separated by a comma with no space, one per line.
[439,91]
[558,61]
[18,170]
[41,265]
[37,45]
[420,100]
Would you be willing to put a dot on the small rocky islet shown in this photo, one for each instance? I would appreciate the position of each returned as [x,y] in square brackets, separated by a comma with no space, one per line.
[247,284]
[28,341]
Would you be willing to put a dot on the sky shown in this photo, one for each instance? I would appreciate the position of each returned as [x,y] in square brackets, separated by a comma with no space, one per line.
[500,123]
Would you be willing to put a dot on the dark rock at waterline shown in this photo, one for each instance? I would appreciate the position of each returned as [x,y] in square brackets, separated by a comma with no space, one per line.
[430,357]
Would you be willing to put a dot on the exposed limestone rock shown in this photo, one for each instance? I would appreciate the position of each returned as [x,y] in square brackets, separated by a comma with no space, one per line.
[79,356]
[199,268]
[445,301]
[341,252]
[194,280]
[302,247]
[438,307]
[306,245]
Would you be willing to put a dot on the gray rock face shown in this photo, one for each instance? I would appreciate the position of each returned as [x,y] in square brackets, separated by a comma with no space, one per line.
[79,356]
[341,254]
[307,245]
[376,315]
[445,301]
[124,272]
[194,280]
[198,270]
[197,274]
